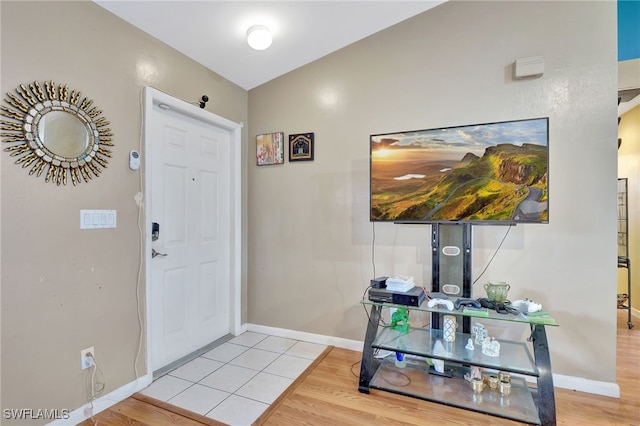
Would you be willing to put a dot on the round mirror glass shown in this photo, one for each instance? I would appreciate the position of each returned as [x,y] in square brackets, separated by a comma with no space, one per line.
[56,132]
[63,133]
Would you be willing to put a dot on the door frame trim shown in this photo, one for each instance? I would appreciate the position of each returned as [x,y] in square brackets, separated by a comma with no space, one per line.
[152,96]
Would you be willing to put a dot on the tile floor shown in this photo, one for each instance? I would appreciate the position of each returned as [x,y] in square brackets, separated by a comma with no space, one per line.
[235,382]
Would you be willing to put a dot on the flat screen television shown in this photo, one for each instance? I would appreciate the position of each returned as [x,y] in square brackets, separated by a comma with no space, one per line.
[493,173]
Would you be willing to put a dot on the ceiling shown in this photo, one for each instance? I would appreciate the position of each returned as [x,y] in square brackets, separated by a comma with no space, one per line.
[213,33]
[628,85]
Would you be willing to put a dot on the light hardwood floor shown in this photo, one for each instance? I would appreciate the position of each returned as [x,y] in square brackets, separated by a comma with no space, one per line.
[328,395]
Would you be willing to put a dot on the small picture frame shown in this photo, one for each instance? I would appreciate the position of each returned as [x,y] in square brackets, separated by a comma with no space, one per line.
[301,147]
[270,149]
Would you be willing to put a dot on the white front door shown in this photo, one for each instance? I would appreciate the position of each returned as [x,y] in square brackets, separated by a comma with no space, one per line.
[189,199]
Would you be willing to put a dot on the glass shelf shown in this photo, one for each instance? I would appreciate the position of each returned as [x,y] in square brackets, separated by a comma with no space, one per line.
[414,380]
[493,315]
[514,357]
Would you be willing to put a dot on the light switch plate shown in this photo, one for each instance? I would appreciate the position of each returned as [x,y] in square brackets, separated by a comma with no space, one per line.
[98,219]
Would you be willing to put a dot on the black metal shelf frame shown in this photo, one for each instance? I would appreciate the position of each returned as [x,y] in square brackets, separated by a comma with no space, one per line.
[623,242]
[544,392]
[442,233]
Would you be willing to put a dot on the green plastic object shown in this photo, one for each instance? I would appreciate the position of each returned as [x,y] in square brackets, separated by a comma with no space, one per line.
[400,320]
[478,312]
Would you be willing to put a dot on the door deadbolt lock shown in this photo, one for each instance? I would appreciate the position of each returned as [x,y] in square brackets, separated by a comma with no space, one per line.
[155,231]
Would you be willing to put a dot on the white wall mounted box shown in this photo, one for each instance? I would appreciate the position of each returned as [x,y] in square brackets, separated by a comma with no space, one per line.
[530,67]
[98,219]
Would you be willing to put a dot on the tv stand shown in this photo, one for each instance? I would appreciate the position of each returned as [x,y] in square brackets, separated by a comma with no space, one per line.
[532,406]
[451,257]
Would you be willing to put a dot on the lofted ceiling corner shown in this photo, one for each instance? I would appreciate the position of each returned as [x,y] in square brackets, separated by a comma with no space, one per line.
[213,33]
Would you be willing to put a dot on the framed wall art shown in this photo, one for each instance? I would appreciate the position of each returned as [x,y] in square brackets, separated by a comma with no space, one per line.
[301,147]
[270,149]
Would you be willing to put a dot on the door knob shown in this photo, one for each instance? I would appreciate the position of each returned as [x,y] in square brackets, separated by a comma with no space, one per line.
[155,253]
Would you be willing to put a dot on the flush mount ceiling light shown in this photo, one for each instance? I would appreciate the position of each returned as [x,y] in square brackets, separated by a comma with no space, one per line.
[259,37]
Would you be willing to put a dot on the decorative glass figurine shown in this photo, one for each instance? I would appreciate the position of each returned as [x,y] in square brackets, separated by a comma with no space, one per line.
[474,373]
[491,347]
[438,349]
[480,332]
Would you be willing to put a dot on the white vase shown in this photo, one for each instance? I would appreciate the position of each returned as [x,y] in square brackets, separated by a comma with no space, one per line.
[449,326]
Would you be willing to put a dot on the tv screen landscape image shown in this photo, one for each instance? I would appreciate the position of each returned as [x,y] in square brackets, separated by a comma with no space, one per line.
[493,172]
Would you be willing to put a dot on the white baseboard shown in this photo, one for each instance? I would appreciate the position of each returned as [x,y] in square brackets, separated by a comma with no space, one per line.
[106,401]
[241,329]
[586,385]
[635,312]
[561,381]
[120,394]
[77,416]
[338,342]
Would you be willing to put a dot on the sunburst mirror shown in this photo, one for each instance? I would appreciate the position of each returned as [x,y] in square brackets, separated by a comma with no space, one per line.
[57,131]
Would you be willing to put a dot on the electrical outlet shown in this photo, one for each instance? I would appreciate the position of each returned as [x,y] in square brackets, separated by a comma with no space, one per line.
[88,411]
[87,361]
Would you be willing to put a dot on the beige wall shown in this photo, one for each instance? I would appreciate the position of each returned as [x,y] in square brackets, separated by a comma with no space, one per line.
[310,241]
[629,167]
[64,289]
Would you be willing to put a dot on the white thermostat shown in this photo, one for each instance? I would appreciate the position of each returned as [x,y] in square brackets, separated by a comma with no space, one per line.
[134,160]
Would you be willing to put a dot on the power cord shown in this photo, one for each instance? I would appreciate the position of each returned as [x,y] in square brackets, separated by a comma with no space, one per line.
[97,386]
[381,320]
[395,374]
[373,263]
[375,353]
[363,306]
[140,202]
[353,365]
[373,247]
[494,255]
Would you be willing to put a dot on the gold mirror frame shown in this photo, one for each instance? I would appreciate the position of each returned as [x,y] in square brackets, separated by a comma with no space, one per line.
[27,111]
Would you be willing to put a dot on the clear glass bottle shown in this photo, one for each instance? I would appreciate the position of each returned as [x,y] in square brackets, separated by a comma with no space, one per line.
[401,362]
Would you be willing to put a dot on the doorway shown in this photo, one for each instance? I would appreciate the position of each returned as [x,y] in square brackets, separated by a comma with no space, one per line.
[192,215]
